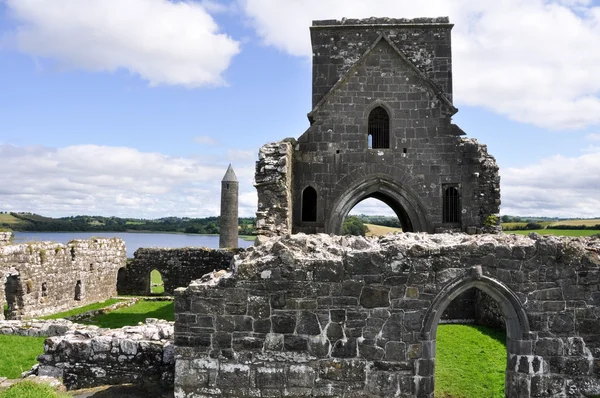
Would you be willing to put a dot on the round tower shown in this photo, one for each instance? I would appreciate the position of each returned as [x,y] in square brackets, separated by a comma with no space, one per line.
[228,237]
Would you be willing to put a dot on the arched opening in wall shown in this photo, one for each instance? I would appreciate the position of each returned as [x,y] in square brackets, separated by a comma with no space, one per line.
[451,204]
[378,129]
[371,216]
[471,356]
[309,204]
[14,297]
[157,286]
[122,281]
[78,290]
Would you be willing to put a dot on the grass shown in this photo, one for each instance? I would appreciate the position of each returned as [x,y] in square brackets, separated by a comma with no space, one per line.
[156,279]
[29,389]
[380,230]
[470,362]
[81,310]
[19,353]
[136,313]
[558,232]
[592,221]
[9,219]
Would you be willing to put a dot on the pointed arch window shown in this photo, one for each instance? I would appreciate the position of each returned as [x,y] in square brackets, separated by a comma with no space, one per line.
[379,129]
[451,205]
[309,204]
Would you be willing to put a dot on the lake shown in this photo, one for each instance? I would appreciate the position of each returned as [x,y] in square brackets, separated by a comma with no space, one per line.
[133,240]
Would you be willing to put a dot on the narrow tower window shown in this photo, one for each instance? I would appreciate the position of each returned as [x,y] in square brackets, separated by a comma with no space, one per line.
[309,204]
[379,129]
[451,210]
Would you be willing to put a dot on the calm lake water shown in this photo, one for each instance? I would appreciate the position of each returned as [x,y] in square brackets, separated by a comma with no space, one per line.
[133,240]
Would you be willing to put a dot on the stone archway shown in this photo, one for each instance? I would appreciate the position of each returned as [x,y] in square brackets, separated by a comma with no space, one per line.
[517,325]
[408,207]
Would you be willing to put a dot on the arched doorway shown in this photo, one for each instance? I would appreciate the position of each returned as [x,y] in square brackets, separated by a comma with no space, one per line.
[516,323]
[404,203]
[157,286]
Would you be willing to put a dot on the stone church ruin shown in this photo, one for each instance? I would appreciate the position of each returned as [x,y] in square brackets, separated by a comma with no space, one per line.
[380,127]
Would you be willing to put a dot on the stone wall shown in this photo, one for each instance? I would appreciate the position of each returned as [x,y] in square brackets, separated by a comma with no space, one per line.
[41,278]
[319,315]
[178,267]
[273,185]
[133,354]
[5,238]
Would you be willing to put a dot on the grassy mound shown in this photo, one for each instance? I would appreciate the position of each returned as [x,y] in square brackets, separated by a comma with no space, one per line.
[19,353]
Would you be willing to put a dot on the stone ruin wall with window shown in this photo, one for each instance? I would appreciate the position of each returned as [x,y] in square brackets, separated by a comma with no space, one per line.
[381,127]
[332,316]
[42,278]
[177,267]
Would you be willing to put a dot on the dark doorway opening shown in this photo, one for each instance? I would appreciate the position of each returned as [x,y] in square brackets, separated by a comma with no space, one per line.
[13,294]
[309,204]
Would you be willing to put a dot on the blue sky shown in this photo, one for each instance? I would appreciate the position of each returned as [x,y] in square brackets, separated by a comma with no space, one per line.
[136,107]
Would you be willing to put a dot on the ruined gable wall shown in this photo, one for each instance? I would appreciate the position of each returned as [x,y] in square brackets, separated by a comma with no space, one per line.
[44,275]
[337,45]
[178,267]
[424,154]
[344,316]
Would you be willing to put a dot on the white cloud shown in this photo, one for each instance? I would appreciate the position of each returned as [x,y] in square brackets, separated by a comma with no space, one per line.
[102,180]
[205,140]
[372,207]
[164,42]
[238,155]
[533,61]
[554,187]
[592,137]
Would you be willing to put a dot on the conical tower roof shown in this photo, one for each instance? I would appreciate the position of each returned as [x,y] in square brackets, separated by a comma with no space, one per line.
[230,175]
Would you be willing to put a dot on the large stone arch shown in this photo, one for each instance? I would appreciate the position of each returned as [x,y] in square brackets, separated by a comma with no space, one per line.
[518,337]
[401,198]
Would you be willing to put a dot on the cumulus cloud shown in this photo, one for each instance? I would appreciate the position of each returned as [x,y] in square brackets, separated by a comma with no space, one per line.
[164,42]
[555,187]
[120,181]
[533,61]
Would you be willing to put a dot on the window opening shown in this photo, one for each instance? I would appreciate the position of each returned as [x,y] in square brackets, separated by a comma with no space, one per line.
[451,205]
[78,290]
[309,204]
[379,129]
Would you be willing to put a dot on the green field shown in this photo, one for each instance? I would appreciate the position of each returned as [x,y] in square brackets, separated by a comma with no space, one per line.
[470,362]
[8,219]
[592,221]
[380,230]
[558,232]
[19,353]
[29,389]
[81,310]
[136,313]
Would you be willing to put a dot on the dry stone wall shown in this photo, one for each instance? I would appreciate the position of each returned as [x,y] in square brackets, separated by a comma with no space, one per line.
[141,354]
[5,238]
[42,278]
[178,267]
[319,315]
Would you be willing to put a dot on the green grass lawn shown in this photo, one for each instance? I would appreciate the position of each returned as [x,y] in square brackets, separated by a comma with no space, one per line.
[29,389]
[156,278]
[558,232]
[19,353]
[470,362]
[81,310]
[136,313]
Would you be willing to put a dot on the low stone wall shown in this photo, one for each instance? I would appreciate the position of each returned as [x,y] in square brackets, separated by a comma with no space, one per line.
[134,354]
[331,316]
[178,267]
[42,278]
[43,328]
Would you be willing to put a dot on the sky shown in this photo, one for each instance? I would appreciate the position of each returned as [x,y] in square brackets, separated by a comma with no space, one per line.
[134,108]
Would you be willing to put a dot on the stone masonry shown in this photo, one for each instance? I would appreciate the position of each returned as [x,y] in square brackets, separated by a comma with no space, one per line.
[42,278]
[402,69]
[142,354]
[332,316]
[178,267]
